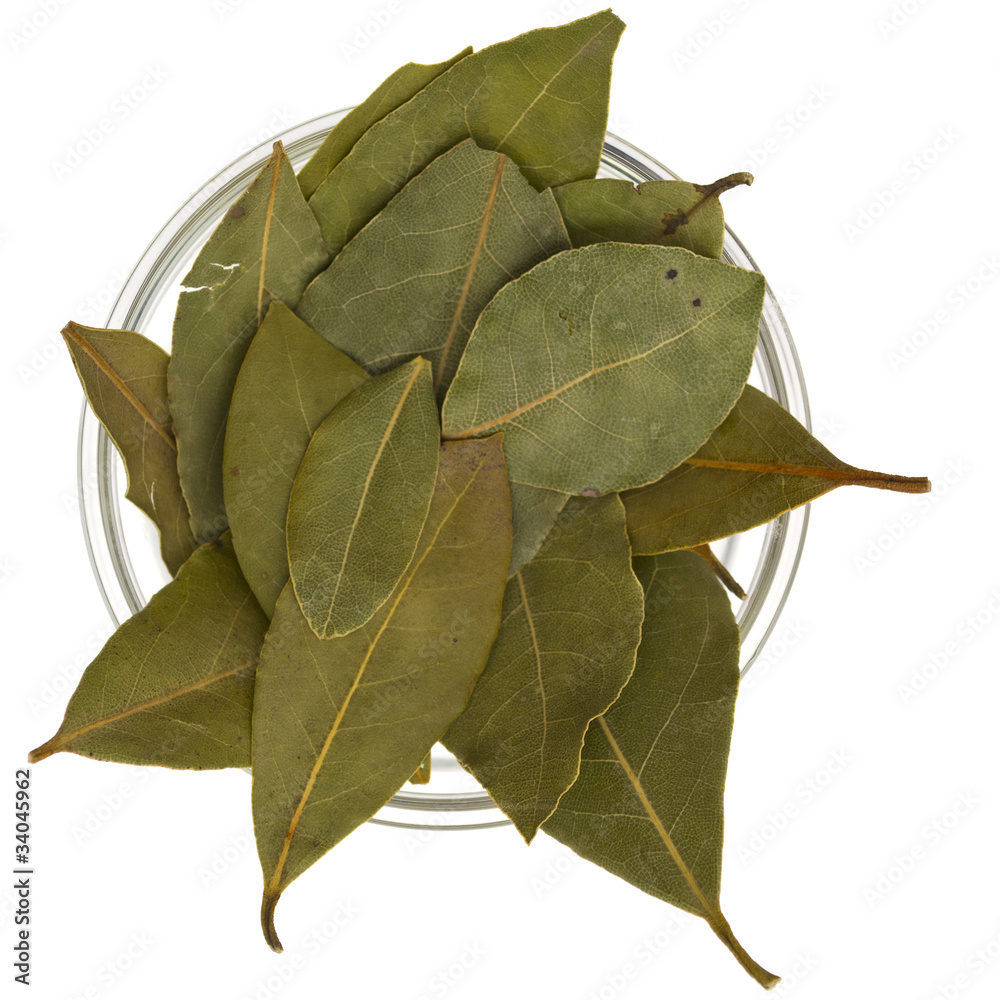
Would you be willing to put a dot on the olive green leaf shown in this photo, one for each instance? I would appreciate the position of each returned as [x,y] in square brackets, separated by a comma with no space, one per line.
[670,213]
[540,98]
[290,380]
[719,569]
[340,724]
[173,686]
[393,91]
[124,376]
[572,618]
[360,498]
[534,512]
[759,463]
[607,366]
[416,277]
[266,247]
[422,775]
[648,804]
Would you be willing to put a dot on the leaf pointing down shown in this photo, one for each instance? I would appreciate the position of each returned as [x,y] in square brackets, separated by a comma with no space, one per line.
[125,378]
[340,724]
[607,366]
[566,647]
[266,247]
[758,464]
[666,212]
[648,804]
[540,98]
[395,90]
[289,382]
[173,686]
[360,498]
[416,277]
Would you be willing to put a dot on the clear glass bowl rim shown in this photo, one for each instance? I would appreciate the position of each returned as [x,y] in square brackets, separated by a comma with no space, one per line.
[156,272]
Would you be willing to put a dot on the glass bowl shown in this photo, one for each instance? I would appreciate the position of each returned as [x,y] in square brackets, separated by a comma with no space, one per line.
[123,545]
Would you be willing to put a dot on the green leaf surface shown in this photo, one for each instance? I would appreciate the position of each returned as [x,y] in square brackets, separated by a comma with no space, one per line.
[413,281]
[290,380]
[395,90]
[173,686]
[758,464]
[571,624]
[266,247]
[124,376]
[360,498]
[666,212]
[607,366]
[340,724]
[540,98]
[648,804]
[534,512]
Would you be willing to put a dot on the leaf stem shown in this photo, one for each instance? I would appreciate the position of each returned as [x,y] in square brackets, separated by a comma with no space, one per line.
[721,572]
[47,749]
[267,906]
[724,933]
[849,476]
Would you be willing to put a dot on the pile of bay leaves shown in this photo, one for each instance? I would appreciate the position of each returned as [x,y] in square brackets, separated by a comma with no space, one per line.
[447,428]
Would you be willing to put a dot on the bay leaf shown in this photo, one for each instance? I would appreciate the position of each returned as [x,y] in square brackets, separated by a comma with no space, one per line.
[648,804]
[413,281]
[124,376]
[540,98]
[666,212]
[173,687]
[360,498]
[534,511]
[394,90]
[422,775]
[719,569]
[607,366]
[759,463]
[340,724]
[289,382]
[570,627]
[266,247]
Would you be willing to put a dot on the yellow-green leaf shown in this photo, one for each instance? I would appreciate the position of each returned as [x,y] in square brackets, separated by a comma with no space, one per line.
[540,98]
[607,366]
[648,804]
[534,511]
[173,686]
[360,498]
[395,90]
[416,277]
[290,380]
[759,463]
[124,376]
[566,647]
[266,247]
[340,724]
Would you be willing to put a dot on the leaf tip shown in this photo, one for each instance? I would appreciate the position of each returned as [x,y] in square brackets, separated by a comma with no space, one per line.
[267,921]
[45,750]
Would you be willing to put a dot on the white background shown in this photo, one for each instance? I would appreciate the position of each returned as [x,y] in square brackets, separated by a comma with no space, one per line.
[886,581]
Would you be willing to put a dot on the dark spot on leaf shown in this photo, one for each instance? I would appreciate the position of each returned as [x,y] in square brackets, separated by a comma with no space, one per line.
[564,316]
[671,274]
[590,491]
[234,471]
[697,302]
[237,211]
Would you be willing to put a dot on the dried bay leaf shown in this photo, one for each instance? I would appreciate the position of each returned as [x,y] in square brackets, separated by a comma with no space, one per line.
[648,804]
[665,212]
[534,511]
[267,246]
[571,624]
[173,687]
[360,498]
[289,382]
[340,724]
[758,464]
[124,376]
[540,98]
[607,366]
[416,277]
[395,90]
